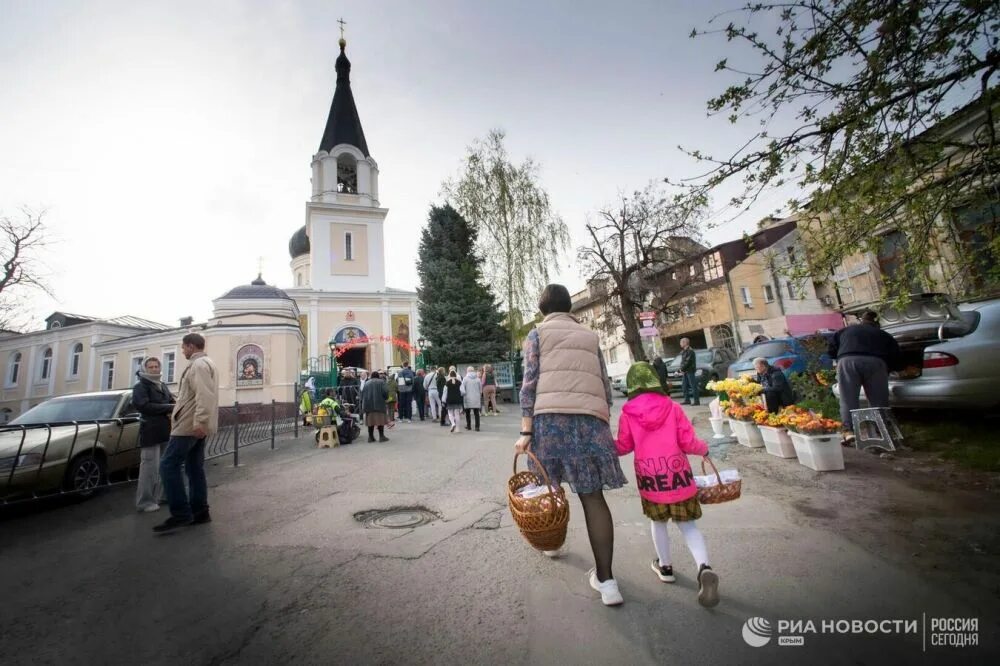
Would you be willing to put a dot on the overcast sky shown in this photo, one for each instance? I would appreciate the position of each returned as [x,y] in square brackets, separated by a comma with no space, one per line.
[171,141]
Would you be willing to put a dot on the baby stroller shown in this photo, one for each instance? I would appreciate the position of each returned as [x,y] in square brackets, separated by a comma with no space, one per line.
[349,428]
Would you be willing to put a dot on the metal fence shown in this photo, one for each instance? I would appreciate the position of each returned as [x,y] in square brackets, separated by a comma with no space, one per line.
[81,457]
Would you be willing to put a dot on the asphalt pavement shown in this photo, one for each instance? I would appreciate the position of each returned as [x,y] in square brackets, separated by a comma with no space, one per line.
[288,573]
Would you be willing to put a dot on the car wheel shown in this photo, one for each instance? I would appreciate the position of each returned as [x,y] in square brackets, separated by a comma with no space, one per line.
[85,475]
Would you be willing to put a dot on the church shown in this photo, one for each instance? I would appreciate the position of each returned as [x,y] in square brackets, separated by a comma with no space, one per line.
[347,312]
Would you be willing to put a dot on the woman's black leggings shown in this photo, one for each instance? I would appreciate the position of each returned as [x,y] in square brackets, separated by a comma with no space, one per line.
[371,432]
[601,530]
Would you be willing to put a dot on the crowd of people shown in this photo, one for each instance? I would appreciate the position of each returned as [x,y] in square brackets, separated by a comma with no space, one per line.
[382,397]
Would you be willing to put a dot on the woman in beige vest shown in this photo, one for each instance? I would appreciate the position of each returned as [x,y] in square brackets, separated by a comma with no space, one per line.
[565,414]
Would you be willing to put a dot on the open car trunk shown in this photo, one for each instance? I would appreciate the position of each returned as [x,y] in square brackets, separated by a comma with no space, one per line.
[926,320]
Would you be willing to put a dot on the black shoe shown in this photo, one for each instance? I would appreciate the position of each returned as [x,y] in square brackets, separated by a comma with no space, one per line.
[171,524]
[665,574]
[477,429]
[468,428]
[201,518]
[696,404]
[371,439]
[383,438]
[708,586]
[686,402]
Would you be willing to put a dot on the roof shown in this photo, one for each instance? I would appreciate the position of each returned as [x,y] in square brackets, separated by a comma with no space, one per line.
[256,289]
[343,124]
[125,320]
[299,243]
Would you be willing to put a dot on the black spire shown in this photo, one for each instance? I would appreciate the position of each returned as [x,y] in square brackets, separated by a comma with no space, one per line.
[343,125]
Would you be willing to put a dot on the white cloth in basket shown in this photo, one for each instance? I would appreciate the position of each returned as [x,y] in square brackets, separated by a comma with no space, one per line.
[534,490]
[728,476]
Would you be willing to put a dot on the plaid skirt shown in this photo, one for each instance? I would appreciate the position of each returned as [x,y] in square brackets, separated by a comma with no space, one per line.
[689,509]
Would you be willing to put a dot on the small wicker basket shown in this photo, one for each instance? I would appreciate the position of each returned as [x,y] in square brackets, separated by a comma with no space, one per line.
[723,492]
[542,520]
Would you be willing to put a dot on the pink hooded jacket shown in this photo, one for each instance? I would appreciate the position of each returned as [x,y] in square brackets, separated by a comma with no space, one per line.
[658,430]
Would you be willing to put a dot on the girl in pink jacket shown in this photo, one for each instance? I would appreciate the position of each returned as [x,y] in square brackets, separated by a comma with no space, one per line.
[656,429]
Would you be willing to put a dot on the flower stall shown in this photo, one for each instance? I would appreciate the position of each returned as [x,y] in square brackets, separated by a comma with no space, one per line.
[742,396]
[772,428]
[816,440]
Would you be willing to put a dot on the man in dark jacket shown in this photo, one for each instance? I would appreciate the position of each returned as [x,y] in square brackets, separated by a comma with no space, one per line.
[419,393]
[865,355]
[405,380]
[689,381]
[373,397]
[152,399]
[777,391]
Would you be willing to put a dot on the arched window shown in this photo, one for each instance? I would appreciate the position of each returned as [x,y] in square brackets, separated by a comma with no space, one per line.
[298,279]
[347,174]
[348,246]
[74,362]
[15,369]
[46,363]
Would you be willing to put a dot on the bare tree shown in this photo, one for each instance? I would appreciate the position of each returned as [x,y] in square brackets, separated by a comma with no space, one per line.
[630,245]
[21,272]
[520,236]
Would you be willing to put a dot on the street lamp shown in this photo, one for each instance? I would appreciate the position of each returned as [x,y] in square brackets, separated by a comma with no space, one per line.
[421,343]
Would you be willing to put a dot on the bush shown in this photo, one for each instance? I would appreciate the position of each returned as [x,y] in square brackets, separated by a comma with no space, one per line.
[812,395]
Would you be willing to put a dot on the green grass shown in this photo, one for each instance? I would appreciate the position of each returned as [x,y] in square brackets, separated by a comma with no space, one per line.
[968,439]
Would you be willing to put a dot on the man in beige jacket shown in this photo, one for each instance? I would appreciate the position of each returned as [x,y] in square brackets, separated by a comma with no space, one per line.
[195,418]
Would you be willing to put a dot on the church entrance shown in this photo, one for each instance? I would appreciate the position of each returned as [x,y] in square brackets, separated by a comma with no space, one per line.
[355,357]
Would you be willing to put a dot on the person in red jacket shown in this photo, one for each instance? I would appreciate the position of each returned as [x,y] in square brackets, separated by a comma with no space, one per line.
[656,429]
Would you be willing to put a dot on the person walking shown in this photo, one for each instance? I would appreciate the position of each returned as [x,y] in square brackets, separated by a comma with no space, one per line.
[689,381]
[195,418]
[865,355]
[390,403]
[420,393]
[472,393]
[652,426]
[440,381]
[778,392]
[405,380]
[152,399]
[373,401]
[565,416]
[433,396]
[489,379]
[453,399]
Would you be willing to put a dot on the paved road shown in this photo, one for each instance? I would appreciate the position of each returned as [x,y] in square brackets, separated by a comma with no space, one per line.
[286,574]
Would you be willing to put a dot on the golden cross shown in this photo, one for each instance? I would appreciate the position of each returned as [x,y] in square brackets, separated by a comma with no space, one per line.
[260,265]
[342,24]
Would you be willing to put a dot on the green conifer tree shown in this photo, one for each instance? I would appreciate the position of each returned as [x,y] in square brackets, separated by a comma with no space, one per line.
[458,313]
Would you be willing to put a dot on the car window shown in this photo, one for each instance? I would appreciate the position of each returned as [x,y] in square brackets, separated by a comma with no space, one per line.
[704,356]
[676,360]
[62,410]
[128,408]
[769,349]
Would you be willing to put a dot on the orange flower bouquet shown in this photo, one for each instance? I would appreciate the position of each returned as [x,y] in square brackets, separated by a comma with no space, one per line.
[745,412]
[811,424]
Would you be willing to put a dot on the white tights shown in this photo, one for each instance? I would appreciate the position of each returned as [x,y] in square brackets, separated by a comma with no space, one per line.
[692,536]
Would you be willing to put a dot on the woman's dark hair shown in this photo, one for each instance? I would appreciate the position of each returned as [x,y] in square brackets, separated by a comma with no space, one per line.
[453,374]
[554,298]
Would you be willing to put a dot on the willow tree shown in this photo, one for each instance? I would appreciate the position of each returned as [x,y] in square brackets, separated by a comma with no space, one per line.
[880,118]
[520,237]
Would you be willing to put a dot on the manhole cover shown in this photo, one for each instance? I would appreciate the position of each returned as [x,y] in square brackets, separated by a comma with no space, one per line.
[396,519]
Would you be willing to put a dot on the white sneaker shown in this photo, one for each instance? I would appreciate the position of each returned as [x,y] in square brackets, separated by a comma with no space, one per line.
[610,595]
[150,509]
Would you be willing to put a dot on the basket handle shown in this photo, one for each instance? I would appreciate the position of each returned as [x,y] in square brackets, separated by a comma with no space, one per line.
[545,476]
[718,477]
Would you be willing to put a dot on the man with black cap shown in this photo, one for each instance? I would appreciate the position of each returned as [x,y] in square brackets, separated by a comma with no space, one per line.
[865,354]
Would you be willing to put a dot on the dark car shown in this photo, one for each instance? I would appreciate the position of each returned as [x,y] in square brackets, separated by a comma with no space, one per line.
[712,363]
[789,354]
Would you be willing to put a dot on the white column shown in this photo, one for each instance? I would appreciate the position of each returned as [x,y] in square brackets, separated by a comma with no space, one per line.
[29,377]
[93,364]
[52,368]
[313,329]
[386,330]
[414,329]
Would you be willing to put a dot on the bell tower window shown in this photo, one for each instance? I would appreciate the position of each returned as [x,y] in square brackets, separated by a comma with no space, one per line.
[347,174]
[348,246]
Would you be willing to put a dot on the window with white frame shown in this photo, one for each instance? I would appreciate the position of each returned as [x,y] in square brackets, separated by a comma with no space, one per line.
[348,246]
[136,366]
[169,366]
[14,369]
[613,355]
[768,293]
[74,360]
[747,300]
[791,290]
[107,374]
[692,271]
[712,266]
[46,370]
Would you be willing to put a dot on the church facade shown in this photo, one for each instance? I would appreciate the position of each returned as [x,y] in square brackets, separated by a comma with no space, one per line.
[347,312]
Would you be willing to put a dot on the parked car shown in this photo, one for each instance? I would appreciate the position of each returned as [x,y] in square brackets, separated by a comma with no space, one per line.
[713,363]
[951,353]
[790,354]
[618,384]
[72,443]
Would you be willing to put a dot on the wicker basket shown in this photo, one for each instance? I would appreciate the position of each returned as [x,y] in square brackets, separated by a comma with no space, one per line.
[542,520]
[723,492]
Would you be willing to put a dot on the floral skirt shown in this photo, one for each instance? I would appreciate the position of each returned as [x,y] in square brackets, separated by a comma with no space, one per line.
[577,449]
[689,509]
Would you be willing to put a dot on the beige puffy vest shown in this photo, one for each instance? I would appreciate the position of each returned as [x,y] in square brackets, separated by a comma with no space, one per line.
[570,380]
